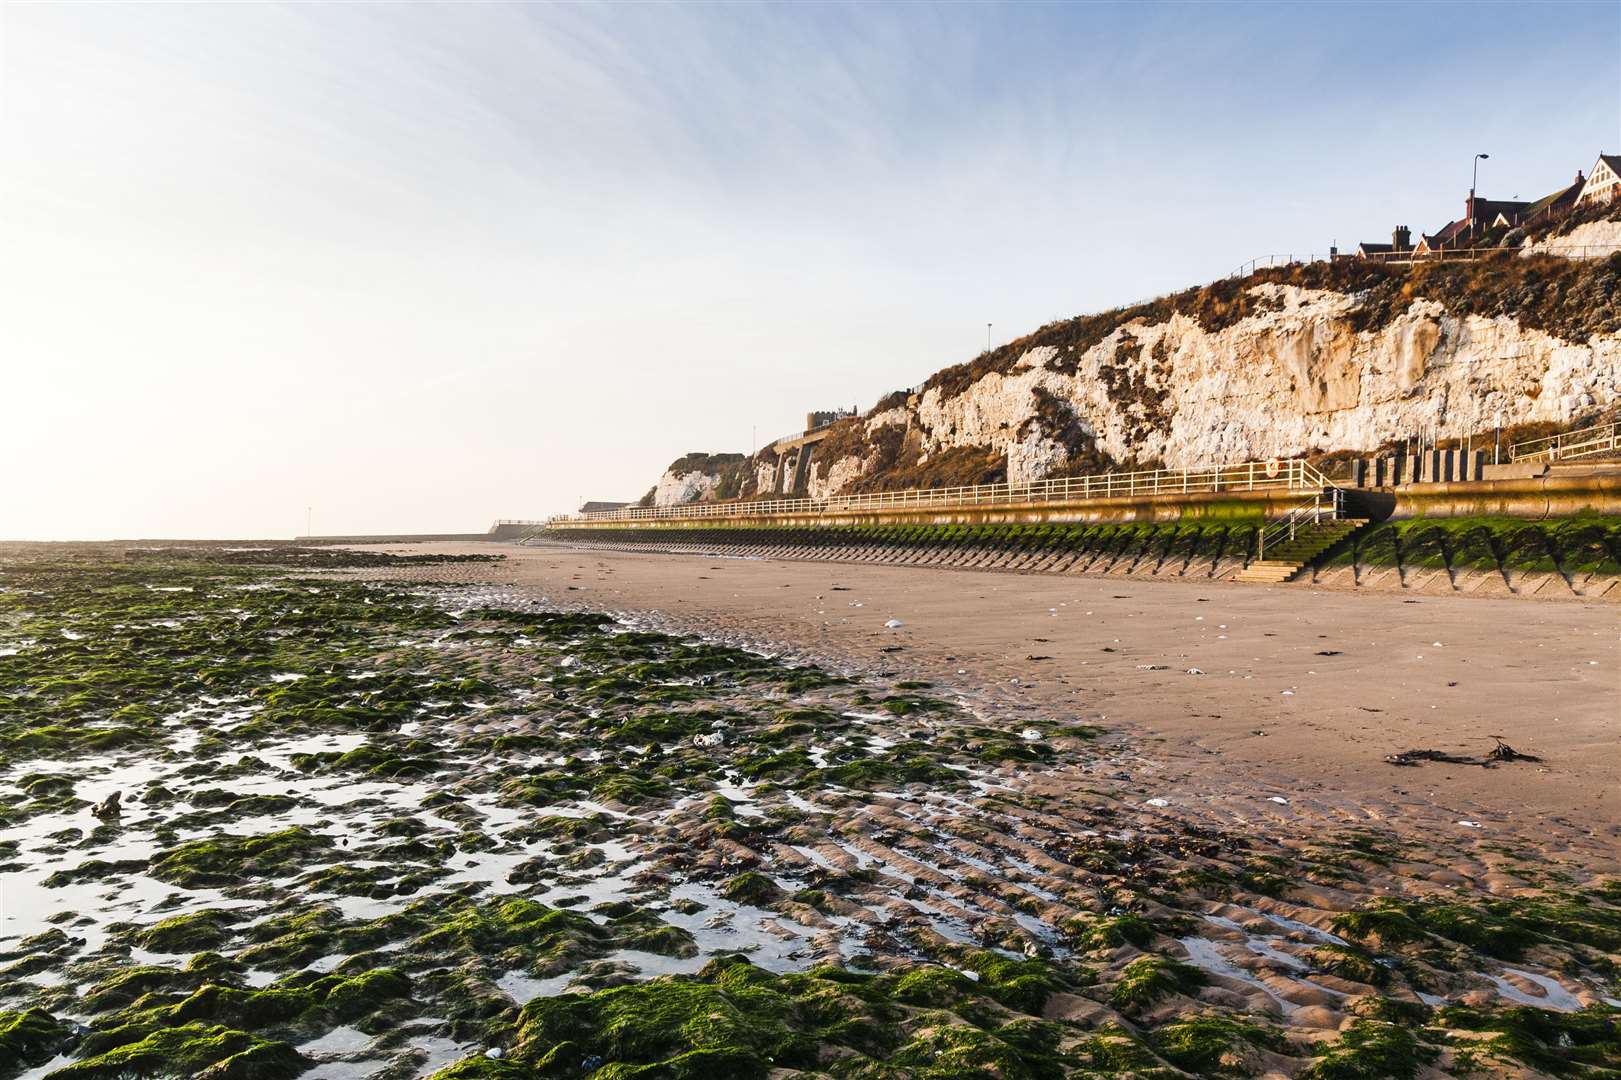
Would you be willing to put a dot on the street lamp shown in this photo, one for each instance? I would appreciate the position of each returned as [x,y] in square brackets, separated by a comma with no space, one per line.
[1474,175]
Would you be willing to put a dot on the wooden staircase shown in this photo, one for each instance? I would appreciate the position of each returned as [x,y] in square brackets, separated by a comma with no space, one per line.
[1286,559]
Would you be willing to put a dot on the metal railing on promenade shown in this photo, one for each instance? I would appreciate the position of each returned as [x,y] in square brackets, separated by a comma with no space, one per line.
[1583,442]
[1247,476]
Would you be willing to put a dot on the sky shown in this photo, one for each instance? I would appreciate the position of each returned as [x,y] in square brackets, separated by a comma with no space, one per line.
[379,268]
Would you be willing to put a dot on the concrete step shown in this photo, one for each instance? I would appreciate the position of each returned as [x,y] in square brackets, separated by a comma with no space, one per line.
[1288,558]
[1269,575]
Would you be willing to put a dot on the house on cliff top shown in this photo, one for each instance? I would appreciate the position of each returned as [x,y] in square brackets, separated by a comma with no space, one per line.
[1401,241]
[1478,215]
[1603,184]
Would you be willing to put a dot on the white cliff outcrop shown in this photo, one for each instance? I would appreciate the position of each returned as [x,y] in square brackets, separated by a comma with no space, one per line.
[676,488]
[1590,239]
[699,477]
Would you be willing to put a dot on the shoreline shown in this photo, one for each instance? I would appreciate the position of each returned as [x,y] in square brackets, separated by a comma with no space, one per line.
[1299,694]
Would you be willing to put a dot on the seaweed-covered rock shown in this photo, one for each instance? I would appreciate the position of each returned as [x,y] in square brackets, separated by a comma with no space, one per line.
[1149,978]
[1213,1045]
[1370,1050]
[232,860]
[196,932]
[28,1038]
[753,887]
[204,1051]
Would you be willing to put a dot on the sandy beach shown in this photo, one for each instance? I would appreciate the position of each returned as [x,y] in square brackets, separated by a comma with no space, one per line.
[1231,694]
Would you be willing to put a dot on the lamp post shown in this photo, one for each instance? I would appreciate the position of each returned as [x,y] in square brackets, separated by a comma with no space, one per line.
[1474,175]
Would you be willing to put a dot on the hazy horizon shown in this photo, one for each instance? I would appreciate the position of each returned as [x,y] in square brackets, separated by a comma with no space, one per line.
[416,267]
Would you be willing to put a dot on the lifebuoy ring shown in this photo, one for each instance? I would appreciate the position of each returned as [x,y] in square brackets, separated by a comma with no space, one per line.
[1273,467]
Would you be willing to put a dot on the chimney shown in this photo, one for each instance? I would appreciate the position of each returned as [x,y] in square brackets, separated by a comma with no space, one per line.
[1580,179]
[1401,238]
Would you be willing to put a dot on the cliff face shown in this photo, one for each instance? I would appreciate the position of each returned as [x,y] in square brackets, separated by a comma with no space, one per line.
[699,477]
[1293,362]
[1282,364]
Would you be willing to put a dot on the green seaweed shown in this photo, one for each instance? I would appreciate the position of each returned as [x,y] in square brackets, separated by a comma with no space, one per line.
[227,859]
[1212,1045]
[1149,978]
[1370,1050]
[209,1052]
[28,1038]
[1586,1043]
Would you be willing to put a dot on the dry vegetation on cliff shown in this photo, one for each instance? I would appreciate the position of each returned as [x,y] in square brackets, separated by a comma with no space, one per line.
[1569,299]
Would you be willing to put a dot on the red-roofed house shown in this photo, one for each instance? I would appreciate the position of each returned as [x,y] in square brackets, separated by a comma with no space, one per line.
[1478,215]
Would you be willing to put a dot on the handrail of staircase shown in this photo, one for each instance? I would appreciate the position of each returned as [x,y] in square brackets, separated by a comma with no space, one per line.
[1594,439]
[1329,502]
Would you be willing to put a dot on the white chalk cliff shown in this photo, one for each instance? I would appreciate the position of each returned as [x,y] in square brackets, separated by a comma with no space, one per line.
[1292,379]
[675,487]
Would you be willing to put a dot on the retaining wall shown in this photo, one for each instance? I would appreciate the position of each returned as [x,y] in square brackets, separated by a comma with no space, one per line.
[1533,497]
[1186,550]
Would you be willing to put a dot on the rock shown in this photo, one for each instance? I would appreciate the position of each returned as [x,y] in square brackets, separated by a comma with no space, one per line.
[697,477]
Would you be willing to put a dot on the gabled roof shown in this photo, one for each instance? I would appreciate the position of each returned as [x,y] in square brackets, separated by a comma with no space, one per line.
[1558,198]
[1447,234]
[1375,249]
[1596,184]
[1486,208]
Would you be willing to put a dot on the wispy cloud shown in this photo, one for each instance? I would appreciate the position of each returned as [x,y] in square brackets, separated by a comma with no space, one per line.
[260,256]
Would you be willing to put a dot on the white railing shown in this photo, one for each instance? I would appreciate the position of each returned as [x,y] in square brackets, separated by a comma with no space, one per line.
[1564,251]
[1267,262]
[1247,476]
[1324,504]
[1583,442]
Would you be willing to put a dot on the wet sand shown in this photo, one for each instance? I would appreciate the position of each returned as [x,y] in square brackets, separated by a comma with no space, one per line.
[1300,693]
